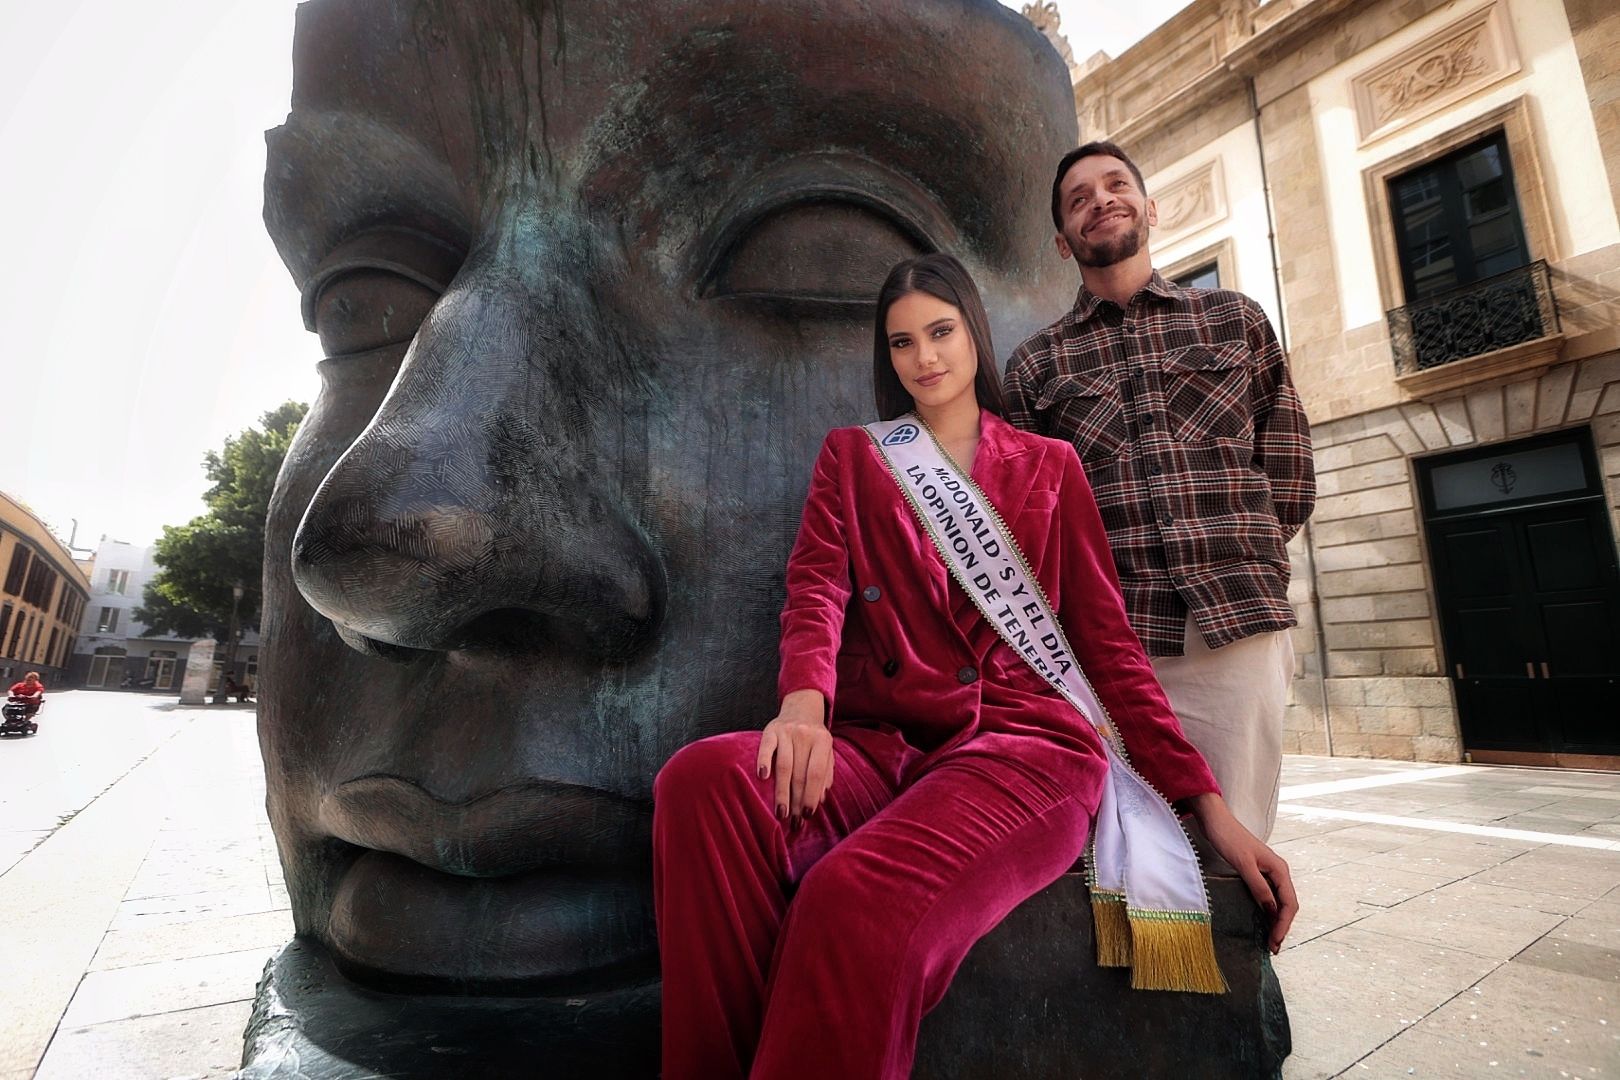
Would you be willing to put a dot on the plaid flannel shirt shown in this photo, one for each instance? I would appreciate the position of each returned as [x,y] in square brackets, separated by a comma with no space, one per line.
[1196,446]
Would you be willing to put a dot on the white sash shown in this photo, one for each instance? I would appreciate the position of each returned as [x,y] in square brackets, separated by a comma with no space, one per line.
[1152,911]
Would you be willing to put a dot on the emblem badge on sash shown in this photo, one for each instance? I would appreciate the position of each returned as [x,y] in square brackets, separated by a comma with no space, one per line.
[901,435]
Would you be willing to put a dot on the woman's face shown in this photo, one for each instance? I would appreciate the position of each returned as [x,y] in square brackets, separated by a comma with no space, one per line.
[931,350]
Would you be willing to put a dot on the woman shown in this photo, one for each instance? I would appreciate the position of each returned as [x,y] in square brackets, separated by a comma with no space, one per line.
[818,884]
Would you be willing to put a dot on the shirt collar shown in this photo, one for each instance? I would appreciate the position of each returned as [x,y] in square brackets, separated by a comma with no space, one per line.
[1086,302]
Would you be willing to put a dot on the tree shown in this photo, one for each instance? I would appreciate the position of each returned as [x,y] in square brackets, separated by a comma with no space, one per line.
[202,560]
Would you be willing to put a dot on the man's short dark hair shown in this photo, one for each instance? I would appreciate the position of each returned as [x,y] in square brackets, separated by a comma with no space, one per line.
[1098,148]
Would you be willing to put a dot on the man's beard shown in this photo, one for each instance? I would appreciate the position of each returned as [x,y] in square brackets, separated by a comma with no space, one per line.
[1109,251]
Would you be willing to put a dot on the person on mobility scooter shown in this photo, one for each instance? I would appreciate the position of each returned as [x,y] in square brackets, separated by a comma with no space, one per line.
[26,698]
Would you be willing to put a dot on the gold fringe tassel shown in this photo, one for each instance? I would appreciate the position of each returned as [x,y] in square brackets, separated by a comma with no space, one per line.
[1112,929]
[1173,954]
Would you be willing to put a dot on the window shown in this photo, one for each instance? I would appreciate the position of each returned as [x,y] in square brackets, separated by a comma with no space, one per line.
[1207,276]
[50,649]
[1457,219]
[18,570]
[118,582]
[17,630]
[5,621]
[108,623]
[41,585]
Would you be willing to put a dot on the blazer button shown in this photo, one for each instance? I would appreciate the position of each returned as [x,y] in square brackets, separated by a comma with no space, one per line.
[890,667]
[966,676]
[871,593]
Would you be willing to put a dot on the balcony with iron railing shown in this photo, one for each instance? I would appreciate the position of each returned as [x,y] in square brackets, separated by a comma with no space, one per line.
[1502,325]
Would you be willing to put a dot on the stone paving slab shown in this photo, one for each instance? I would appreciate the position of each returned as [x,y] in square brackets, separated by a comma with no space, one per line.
[1474,952]
[166,986]
[203,1042]
[203,937]
[1417,942]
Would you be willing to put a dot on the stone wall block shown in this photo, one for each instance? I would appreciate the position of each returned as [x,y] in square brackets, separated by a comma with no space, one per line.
[1453,416]
[1393,747]
[1377,607]
[1347,664]
[1426,424]
[1350,743]
[1345,691]
[1485,413]
[1610,401]
[1380,447]
[1401,633]
[1424,661]
[1377,579]
[1598,372]
[1361,503]
[1553,395]
[1521,406]
[1392,422]
[1394,552]
[1440,720]
[1437,748]
[1381,473]
[1582,403]
[1330,458]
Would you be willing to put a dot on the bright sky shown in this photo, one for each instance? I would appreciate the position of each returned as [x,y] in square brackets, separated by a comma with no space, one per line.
[145,314]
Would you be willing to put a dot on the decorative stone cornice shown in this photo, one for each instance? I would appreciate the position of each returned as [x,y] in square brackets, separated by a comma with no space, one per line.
[1453,62]
[1193,202]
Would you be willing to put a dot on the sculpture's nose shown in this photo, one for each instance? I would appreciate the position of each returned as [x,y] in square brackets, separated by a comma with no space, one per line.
[471,513]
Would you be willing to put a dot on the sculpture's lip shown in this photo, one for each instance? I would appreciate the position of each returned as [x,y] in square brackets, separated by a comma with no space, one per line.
[520,827]
[401,926]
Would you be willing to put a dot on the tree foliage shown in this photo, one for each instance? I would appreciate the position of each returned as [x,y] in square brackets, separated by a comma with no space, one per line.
[203,559]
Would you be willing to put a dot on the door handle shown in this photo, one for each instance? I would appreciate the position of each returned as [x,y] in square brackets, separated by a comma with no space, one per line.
[1459,671]
[1545,674]
[1529,669]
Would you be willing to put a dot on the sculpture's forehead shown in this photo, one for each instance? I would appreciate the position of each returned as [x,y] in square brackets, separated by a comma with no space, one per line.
[631,104]
[559,68]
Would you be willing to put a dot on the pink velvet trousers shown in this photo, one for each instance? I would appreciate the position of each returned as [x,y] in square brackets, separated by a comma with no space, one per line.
[815,951]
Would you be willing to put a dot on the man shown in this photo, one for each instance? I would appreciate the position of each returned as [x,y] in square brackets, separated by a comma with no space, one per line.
[1180,405]
[30,692]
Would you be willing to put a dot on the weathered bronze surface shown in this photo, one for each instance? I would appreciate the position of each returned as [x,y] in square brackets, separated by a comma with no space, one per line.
[593,279]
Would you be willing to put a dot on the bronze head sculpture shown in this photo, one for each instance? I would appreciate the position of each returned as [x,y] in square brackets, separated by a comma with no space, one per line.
[593,280]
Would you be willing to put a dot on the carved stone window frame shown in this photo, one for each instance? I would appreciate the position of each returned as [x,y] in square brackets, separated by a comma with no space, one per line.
[1222,253]
[1456,61]
[1513,120]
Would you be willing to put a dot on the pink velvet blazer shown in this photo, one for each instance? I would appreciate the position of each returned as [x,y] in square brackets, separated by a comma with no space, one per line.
[875,623]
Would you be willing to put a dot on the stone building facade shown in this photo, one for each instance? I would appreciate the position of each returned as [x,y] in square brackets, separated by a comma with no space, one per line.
[1423,196]
[42,595]
[115,651]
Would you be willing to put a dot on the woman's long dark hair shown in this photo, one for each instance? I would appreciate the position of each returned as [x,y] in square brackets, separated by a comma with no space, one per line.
[944,278]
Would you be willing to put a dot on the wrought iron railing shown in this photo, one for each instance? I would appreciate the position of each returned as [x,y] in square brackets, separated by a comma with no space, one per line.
[1477,318]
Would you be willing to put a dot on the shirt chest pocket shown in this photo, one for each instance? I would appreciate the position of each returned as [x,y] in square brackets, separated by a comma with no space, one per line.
[1085,410]
[1207,392]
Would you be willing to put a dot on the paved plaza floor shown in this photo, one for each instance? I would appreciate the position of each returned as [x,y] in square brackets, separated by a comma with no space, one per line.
[1459,921]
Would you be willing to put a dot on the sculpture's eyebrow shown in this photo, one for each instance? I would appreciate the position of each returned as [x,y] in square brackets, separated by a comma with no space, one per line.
[331,175]
[690,126]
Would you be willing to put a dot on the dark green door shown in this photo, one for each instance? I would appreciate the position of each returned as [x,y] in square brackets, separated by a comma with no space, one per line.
[1529,593]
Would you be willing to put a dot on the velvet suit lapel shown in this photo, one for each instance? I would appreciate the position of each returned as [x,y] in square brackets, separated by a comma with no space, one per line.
[1005,467]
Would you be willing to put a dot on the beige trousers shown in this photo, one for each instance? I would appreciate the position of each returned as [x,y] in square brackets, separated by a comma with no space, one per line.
[1230,702]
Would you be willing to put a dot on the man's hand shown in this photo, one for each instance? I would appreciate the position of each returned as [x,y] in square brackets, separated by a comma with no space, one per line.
[798,745]
[1262,870]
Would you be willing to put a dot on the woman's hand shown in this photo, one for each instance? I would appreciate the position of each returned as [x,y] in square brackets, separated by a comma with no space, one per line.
[798,744]
[1262,870]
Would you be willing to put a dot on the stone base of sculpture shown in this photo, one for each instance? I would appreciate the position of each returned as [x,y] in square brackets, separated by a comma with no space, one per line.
[1029,1003]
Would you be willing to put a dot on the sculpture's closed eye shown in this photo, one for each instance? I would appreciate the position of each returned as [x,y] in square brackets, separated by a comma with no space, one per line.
[364,310]
[827,250]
